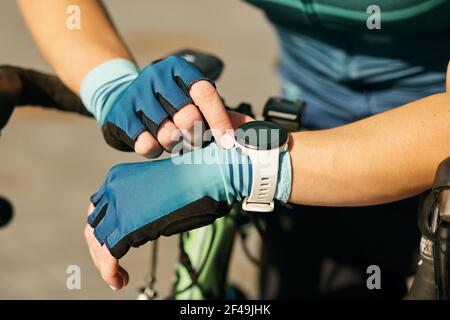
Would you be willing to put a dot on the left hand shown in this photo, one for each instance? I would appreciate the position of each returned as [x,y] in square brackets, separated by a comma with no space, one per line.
[108,266]
[112,273]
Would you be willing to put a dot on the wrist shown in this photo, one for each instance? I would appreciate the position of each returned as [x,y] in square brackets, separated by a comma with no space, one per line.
[266,144]
[103,84]
[237,172]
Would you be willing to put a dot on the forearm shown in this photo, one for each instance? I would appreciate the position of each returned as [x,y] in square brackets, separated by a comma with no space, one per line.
[73,53]
[380,159]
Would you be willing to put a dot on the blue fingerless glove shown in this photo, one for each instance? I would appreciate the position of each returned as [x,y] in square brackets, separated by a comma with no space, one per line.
[138,202]
[127,102]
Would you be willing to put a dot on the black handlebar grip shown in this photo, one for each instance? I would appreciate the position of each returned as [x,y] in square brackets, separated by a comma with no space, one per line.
[441,247]
[48,91]
[210,65]
[423,287]
[9,86]
[21,87]
[442,177]
[441,252]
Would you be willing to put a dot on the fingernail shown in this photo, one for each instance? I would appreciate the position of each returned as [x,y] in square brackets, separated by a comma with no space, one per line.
[227,141]
[113,288]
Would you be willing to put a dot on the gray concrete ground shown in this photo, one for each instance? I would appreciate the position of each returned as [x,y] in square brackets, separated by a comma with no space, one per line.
[50,162]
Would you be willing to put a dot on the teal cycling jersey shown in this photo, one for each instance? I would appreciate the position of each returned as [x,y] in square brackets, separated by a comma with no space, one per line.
[346,71]
[406,17]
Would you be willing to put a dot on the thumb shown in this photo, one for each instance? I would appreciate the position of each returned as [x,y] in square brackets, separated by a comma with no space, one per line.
[114,275]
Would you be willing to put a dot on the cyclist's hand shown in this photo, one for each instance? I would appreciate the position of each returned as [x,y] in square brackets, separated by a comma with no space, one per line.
[108,266]
[141,201]
[149,111]
[110,270]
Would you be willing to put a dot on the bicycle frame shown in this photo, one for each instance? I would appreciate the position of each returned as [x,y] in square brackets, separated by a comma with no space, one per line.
[204,255]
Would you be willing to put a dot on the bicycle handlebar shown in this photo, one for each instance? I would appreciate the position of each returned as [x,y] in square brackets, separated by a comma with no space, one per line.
[441,247]
[432,280]
[29,87]
[423,287]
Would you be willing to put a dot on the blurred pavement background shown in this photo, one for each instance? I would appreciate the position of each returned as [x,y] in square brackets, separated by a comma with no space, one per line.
[51,162]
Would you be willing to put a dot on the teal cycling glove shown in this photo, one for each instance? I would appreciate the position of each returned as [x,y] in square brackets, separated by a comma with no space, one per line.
[138,202]
[127,102]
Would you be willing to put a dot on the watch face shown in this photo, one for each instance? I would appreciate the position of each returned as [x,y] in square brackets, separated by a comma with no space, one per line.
[261,135]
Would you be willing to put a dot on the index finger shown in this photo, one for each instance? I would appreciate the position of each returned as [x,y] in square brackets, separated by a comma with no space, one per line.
[212,108]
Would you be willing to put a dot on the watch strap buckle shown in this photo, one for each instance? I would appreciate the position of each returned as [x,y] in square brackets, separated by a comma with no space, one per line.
[257,206]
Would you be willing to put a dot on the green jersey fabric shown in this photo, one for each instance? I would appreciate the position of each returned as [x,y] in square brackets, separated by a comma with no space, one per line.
[401,17]
[346,71]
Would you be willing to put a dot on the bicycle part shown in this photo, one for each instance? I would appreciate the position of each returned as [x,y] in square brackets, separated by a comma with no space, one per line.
[204,260]
[149,292]
[6,212]
[441,249]
[245,108]
[209,280]
[185,261]
[287,114]
[423,287]
[210,65]
[441,253]
[434,223]
[30,87]
[259,262]
[10,85]
[243,237]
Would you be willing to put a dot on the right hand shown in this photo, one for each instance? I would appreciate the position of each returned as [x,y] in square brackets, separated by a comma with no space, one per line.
[162,105]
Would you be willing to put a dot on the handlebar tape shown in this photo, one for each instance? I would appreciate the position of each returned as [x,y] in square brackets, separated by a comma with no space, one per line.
[30,87]
[423,287]
[441,253]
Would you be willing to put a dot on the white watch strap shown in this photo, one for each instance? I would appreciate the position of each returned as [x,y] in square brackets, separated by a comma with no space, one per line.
[264,180]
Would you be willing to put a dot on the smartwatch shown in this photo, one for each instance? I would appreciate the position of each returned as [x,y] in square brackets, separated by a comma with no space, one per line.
[262,142]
